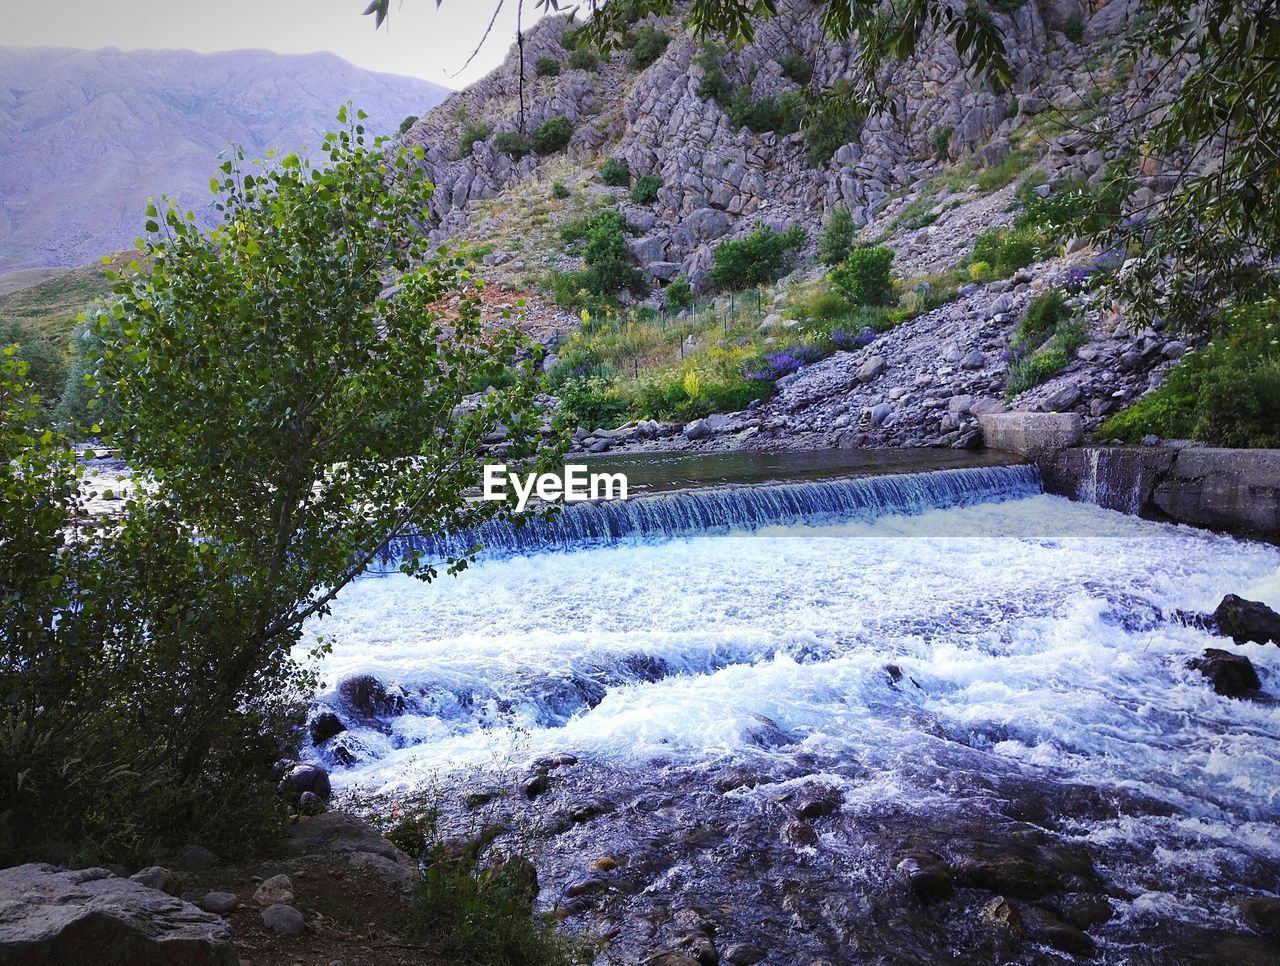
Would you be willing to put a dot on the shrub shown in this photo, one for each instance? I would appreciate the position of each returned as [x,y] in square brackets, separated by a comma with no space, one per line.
[1195,400]
[837,122]
[591,402]
[1241,407]
[796,68]
[464,911]
[1028,369]
[615,173]
[760,257]
[408,122]
[864,277]
[1074,28]
[559,191]
[609,265]
[553,135]
[647,45]
[473,132]
[548,67]
[1041,320]
[980,271]
[46,369]
[513,143]
[679,294]
[584,59]
[836,240]
[941,141]
[1006,250]
[782,115]
[646,189]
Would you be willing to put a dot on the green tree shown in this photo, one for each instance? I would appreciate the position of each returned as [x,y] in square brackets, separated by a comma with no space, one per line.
[864,277]
[760,257]
[290,406]
[291,412]
[46,367]
[836,240]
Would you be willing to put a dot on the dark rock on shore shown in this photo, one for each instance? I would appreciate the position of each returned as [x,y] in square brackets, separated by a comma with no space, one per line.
[1247,621]
[301,779]
[51,917]
[1232,675]
[368,697]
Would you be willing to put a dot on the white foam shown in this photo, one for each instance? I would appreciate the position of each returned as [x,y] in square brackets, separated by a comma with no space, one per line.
[1008,639]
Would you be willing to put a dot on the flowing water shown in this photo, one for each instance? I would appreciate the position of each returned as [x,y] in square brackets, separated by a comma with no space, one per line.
[956,660]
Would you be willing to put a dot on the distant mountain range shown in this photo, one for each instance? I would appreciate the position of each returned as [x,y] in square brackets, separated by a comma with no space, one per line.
[87,136]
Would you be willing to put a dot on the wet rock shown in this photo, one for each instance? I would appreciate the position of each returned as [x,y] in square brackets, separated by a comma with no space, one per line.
[997,870]
[1045,927]
[277,889]
[586,887]
[283,920]
[926,874]
[1001,916]
[50,915]
[304,778]
[324,725]
[743,954]
[581,812]
[671,959]
[1263,914]
[799,833]
[219,903]
[816,804]
[537,785]
[1232,675]
[1084,910]
[368,697]
[1247,620]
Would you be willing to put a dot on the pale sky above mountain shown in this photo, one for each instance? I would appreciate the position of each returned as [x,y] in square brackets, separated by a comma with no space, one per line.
[418,39]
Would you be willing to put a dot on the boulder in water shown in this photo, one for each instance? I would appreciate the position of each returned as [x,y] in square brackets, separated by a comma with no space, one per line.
[926,874]
[368,697]
[1232,675]
[1247,620]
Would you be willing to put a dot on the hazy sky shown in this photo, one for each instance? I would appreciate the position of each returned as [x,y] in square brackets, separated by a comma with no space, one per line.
[417,39]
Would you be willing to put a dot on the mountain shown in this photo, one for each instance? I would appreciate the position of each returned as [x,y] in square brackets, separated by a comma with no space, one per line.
[89,135]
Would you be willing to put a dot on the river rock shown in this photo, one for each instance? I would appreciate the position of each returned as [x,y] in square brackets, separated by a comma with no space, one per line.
[871,368]
[283,920]
[1247,620]
[926,874]
[158,877]
[1232,675]
[1001,916]
[219,903]
[368,697]
[276,889]
[51,916]
[304,778]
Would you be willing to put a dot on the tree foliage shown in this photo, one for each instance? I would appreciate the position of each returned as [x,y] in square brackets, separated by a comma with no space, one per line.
[296,387]
[1216,239]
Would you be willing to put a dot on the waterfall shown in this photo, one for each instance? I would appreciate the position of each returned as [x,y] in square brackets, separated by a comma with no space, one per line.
[729,508]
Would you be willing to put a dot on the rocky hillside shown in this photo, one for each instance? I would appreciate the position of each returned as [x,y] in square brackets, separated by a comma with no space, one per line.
[88,136]
[952,164]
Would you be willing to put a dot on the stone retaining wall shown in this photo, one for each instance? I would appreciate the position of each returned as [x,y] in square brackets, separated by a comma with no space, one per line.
[1234,490]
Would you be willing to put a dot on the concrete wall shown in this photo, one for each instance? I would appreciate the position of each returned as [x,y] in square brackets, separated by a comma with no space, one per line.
[1235,490]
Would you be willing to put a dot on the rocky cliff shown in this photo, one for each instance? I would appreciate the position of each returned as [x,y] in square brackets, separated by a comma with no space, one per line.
[88,136]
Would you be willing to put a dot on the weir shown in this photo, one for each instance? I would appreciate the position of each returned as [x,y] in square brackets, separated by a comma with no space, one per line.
[666,516]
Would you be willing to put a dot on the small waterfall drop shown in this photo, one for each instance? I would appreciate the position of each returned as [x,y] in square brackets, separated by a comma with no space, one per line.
[730,508]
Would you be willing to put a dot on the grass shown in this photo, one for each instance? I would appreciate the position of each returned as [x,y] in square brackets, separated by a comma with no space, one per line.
[49,308]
